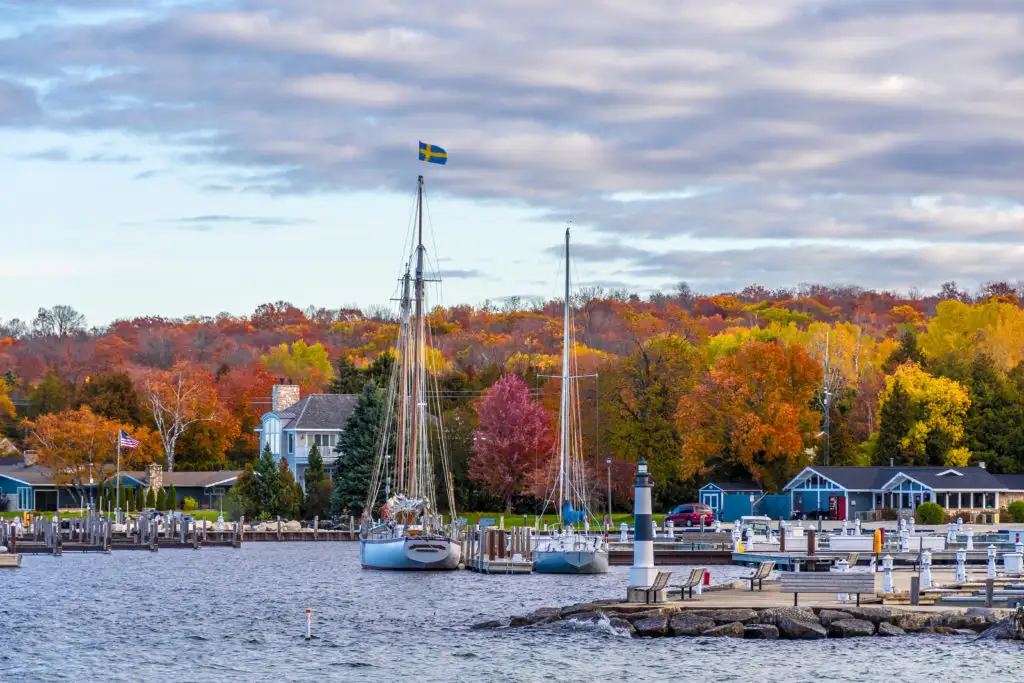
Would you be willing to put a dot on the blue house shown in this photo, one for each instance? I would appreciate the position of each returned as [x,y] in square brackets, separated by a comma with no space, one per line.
[715,495]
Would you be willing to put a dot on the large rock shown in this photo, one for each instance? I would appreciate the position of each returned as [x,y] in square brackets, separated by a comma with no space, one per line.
[945,630]
[917,621]
[760,632]
[1001,630]
[887,629]
[773,615]
[622,626]
[973,622]
[578,608]
[493,623]
[876,615]
[728,616]
[684,624]
[544,614]
[651,627]
[733,630]
[827,616]
[796,629]
[851,628]
[647,614]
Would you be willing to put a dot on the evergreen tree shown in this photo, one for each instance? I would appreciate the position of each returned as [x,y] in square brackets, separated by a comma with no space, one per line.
[318,487]
[268,483]
[347,377]
[172,498]
[356,450]
[908,350]
[289,496]
[992,428]
[243,497]
[895,420]
[151,498]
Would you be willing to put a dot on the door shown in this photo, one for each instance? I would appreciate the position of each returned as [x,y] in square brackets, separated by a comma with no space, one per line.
[840,512]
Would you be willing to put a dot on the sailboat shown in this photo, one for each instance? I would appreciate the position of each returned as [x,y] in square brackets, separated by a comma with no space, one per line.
[568,551]
[408,531]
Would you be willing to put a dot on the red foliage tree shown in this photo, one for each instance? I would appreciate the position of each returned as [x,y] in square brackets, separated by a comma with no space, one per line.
[513,441]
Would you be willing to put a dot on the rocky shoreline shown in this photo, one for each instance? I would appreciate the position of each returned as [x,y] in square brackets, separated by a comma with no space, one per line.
[769,623]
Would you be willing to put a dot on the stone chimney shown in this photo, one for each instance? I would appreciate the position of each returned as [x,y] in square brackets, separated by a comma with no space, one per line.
[156,476]
[283,396]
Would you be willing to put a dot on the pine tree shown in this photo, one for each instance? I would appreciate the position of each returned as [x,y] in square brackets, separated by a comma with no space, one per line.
[318,487]
[268,483]
[895,420]
[347,377]
[289,496]
[356,449]
[172,498]
[151,498]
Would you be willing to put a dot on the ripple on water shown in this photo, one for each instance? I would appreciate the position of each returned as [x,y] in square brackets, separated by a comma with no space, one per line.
[239,615]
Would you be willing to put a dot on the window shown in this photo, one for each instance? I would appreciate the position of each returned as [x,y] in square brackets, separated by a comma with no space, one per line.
[25,501]
[326,442]
[272,435]
[291,443]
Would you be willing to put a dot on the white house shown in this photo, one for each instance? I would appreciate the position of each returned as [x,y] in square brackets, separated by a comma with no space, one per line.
[294,424]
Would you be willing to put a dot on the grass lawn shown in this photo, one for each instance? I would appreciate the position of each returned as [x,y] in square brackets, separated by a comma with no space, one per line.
[517,520]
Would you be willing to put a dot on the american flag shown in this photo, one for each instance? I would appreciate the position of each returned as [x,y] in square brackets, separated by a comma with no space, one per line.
[127,441]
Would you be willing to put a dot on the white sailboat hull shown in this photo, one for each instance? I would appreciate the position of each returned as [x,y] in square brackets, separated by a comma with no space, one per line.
[410,553]
[570,555]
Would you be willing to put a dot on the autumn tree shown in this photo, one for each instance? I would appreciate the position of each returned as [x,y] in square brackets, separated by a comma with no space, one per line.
[922,420]
[642,396]
[80,447]
[307,365]
[6,404]
[513,439]
[178,399]
[751,416]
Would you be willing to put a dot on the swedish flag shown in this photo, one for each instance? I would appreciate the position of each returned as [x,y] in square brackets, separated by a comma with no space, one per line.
[432,154]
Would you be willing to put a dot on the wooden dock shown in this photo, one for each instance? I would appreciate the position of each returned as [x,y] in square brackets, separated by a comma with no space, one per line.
[498,551]
[823,559]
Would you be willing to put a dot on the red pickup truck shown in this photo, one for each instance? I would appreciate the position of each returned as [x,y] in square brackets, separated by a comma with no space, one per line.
[691,514]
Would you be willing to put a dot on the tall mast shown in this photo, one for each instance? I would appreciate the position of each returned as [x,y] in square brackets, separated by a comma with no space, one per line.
[403,401]
[563,448]
[417,344]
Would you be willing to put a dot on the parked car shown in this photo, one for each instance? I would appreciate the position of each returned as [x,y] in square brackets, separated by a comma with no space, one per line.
[691,514]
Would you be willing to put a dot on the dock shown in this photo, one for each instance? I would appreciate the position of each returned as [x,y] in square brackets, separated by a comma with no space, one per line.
[497,551]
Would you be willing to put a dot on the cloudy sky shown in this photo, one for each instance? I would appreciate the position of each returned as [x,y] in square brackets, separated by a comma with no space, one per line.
[194,156]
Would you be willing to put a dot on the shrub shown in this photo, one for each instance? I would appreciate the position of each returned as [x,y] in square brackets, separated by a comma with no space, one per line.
[888,515]
[1016,510]
[189,504]
[930,513]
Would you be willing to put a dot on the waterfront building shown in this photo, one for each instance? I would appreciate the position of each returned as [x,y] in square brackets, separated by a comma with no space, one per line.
[848,492]
[729,500]
[294,424]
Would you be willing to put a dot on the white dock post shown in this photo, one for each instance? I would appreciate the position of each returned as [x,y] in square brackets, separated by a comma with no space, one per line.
[623,533]
[912,527]
[670,528]
[904,541]
[718,526]
[950,533]
[959,525]
[856,527]
[842,566]
[887,586]
[736,537]
[970,538]
[642,573]
[926,569]
[845,529]
[991,571]
[961,565]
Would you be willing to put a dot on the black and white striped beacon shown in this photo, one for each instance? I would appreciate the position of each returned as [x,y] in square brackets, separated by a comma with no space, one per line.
[642,573]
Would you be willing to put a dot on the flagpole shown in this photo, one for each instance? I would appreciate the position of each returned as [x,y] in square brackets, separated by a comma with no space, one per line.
[118,480]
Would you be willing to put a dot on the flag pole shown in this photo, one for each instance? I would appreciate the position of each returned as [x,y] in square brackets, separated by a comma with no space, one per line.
[118,480]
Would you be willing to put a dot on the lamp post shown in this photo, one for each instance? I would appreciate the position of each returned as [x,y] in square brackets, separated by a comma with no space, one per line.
[608,461]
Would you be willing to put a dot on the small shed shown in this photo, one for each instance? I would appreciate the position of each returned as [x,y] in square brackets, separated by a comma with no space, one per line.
[714,495]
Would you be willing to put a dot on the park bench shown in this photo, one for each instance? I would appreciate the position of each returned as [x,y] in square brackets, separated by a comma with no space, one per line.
[827,582]
[660,582]
[762,572]
[696,576]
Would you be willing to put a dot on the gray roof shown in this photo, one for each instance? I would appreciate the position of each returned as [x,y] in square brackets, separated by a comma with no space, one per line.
[874,478]
[191,479]
[34,476]
[319,411]
[1013,482]
[735,486]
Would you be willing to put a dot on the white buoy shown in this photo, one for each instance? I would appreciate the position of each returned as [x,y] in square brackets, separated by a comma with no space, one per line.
[309,624]
[991,570]
[926,569]
[642,573]
[887,586]
[961,565]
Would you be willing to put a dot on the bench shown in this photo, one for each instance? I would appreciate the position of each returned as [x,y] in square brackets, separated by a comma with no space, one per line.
[827,582]
[696,576]
[660,582]
[762,572]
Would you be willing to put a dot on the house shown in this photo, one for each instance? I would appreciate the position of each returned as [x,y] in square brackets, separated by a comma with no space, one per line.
[714,494]
[845,492]
[295,424]
[29,487]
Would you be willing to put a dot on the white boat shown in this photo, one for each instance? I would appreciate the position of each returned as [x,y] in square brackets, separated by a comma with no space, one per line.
[569,551]
[408,531]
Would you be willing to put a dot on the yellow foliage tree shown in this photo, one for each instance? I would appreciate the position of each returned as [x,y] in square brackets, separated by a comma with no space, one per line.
[307,365]
[6,405]
[939,406]
[960,330]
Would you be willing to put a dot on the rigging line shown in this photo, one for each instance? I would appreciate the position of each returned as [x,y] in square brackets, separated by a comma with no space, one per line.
[433,241]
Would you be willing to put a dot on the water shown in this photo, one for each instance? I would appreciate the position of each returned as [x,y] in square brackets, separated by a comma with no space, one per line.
[239,615]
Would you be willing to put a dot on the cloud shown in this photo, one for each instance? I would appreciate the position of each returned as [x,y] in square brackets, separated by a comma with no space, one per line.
[62,154]
[456,274]
[840,127]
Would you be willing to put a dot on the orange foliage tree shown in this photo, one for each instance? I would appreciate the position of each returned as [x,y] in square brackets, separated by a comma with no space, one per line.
[177,399]
[751,414]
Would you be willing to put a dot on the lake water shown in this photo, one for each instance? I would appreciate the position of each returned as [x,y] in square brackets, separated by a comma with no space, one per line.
[239,615]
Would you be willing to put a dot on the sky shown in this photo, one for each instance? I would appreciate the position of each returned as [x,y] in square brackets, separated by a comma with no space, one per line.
[176,157]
